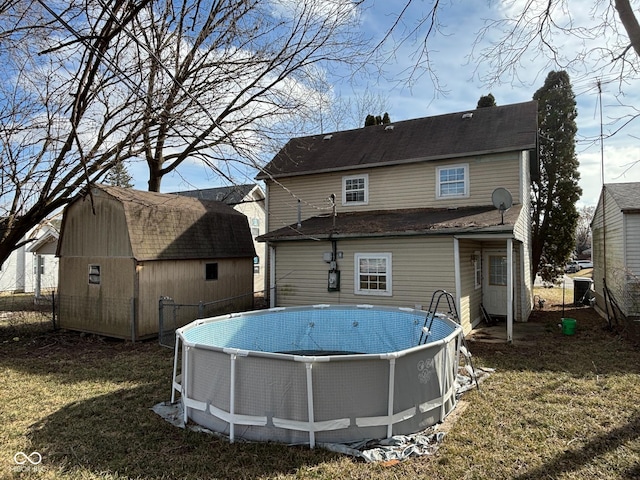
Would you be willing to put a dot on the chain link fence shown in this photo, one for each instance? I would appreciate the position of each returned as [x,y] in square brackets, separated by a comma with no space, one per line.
[171,314]
[24,312]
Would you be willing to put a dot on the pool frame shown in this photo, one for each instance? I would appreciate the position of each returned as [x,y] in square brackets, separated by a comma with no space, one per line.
[398,393]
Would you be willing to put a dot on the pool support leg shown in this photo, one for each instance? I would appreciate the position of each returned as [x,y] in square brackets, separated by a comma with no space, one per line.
[232,398]
[392,381]
[311,419]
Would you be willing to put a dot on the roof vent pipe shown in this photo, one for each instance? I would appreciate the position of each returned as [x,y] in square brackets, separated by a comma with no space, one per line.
[467,115]
[299,214]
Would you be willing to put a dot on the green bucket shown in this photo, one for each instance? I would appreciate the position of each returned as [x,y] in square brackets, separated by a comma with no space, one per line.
[568,326]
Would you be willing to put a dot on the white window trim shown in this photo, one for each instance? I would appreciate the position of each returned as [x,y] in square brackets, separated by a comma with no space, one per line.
[98,275]
[364,176]
[381,293]
[466,181]
[477,270]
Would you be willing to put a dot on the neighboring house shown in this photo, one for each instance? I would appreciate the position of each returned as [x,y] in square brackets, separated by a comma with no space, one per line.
[249,200]
[120,250]
[616,247]
[33,267]
[390,214]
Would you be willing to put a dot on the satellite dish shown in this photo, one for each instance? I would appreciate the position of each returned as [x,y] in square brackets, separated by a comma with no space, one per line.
[502,200]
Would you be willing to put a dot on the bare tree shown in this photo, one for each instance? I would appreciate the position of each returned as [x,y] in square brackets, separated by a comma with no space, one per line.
[223,80]
[550,27]
[97,83]
[54,137]
[572,36]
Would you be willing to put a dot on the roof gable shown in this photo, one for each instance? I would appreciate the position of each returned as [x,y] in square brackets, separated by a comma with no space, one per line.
[626,196]
[481,131]
[231,195]
[168,227]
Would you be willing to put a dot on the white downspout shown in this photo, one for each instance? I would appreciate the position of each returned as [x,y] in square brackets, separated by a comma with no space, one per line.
[510,290]
[272,276]
[456,270]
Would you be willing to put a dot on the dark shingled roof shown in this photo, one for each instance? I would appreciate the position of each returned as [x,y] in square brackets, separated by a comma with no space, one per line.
[415,221]
[232,195]
[626,195]
[481,131]
[170,227]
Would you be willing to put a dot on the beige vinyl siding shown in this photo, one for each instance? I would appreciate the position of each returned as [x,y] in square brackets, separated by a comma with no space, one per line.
[184,281]
[522,232]
[470,297]
[254,210]
[392,187]
[105,308]
[420,266]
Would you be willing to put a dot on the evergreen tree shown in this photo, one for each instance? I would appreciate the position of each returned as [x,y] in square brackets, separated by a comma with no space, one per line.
[487,101]
[118,176]
[556,191]
[377,120]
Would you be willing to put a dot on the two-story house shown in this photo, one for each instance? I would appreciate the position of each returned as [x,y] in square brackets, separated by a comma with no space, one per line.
[390,214]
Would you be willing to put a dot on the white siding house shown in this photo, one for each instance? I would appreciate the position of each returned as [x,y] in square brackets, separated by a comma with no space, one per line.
[616,247]
[32,267]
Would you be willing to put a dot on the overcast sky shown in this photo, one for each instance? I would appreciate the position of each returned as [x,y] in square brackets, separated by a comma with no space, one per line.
[460,22]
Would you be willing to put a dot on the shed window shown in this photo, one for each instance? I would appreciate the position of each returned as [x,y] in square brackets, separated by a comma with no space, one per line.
[373,274]
[452,181]
[211,271]
[94,274]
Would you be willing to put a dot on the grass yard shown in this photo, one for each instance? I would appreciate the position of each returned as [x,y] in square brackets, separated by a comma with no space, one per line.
[558,407]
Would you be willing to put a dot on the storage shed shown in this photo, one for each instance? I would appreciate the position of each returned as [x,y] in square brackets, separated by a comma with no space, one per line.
[616,249]
[121,250]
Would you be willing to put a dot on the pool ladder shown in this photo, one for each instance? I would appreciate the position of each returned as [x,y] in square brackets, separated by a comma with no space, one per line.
[436,298]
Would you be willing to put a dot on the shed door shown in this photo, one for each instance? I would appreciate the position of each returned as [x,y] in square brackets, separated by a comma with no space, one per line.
[494,291]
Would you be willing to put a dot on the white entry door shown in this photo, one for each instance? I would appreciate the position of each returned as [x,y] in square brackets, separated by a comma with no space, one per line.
[494,288]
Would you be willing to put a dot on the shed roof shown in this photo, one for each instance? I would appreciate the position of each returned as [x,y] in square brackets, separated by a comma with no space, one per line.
[626,196]
[481,131]
[415,221]
[171,227]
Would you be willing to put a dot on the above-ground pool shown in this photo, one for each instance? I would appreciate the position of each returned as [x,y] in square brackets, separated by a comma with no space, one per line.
[329,374]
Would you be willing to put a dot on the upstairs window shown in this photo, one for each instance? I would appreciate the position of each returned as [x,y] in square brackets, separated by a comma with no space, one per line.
[452,181]
[355,190]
